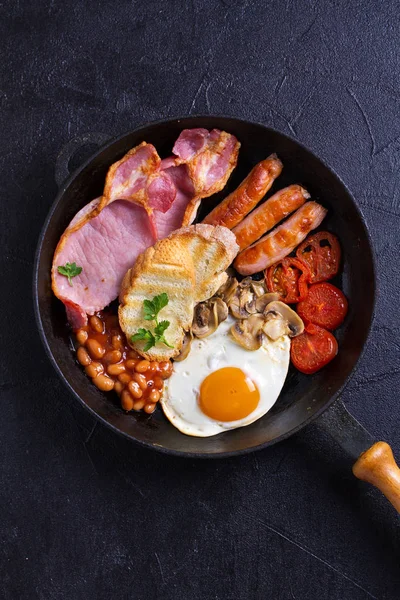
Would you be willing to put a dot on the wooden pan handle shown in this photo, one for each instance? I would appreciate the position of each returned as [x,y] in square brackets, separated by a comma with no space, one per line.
[377,466]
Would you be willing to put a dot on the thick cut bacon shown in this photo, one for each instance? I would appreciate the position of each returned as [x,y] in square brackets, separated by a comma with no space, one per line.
[105,246]
[190,143]
[268,214]
[249,193]
[138,177]
[166,223]
[209,163]
[281,241]
[201,166]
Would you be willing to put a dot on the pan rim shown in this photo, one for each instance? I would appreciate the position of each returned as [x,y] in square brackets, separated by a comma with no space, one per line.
[152,446]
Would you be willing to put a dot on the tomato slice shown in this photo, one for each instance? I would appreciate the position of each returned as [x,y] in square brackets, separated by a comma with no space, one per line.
[313,349]
[321,253]
[325,306]
[289,278]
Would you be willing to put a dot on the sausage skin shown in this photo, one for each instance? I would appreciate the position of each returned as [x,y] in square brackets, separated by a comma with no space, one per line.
[269,213]
[281,241]
[249,193]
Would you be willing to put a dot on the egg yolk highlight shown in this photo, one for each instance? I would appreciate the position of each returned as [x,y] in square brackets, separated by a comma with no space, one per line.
[228,395]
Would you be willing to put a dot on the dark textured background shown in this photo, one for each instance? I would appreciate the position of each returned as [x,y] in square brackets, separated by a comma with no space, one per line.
[85,514]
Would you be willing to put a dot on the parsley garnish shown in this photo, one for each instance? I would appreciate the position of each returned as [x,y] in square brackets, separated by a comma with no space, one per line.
[69,270]
[151,308]
[144,334]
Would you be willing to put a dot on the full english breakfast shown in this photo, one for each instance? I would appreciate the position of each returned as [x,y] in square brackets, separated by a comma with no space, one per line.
[210,314]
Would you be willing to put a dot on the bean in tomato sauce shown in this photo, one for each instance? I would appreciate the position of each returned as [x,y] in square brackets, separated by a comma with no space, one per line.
[103,351]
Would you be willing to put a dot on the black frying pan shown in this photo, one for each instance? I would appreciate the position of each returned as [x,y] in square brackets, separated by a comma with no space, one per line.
[303,398]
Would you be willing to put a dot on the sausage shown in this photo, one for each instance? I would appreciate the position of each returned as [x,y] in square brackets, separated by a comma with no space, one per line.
[269,214]
[281,241]
[249,193]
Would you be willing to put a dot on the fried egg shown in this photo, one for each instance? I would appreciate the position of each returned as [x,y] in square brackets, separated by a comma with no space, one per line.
[222,386]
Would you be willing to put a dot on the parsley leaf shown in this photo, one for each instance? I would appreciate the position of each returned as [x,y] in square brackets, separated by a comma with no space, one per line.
[151,308]
[69,270]
[159,332]
[161,327]
[144,334]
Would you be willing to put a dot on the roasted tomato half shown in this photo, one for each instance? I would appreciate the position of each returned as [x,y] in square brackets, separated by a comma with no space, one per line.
[289,278]
[325,306]
[313,349]
[321,253]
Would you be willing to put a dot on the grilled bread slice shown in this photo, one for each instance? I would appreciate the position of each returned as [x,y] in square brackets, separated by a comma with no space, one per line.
[189,266]
[165,267]
[212,250]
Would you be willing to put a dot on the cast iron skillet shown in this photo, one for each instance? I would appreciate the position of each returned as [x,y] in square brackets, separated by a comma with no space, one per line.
[304,398]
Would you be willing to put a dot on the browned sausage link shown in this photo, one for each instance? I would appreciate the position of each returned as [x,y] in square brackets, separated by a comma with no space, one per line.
[268,214]
[281,241]
[249,193]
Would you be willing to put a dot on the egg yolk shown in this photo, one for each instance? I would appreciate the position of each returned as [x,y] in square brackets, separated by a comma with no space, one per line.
[228,395]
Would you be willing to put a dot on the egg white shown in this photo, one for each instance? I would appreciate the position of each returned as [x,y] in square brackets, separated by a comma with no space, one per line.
[267,367]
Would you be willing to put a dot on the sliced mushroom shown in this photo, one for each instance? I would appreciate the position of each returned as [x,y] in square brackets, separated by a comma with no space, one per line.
[207,316]
[243,302]
[246,298]
[187,341]
[263,301]
[203,321]
[246,282]
[227,289]
[237,305]
[250,306]
[221,309]
[248,332]
[280,320]
[275,328]
[258,288]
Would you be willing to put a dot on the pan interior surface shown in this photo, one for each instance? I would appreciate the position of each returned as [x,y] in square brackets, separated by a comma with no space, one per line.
[303,397]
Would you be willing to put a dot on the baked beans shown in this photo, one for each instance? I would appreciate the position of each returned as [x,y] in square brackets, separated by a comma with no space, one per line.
[140,380]
[113,356]
[96,324]
[94,369]
[83,357]
[104,383]
[126,400]
[142,366]
[95,349]
[116,369]
[135,390]
[154,395]
[81,336]
[113,365]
